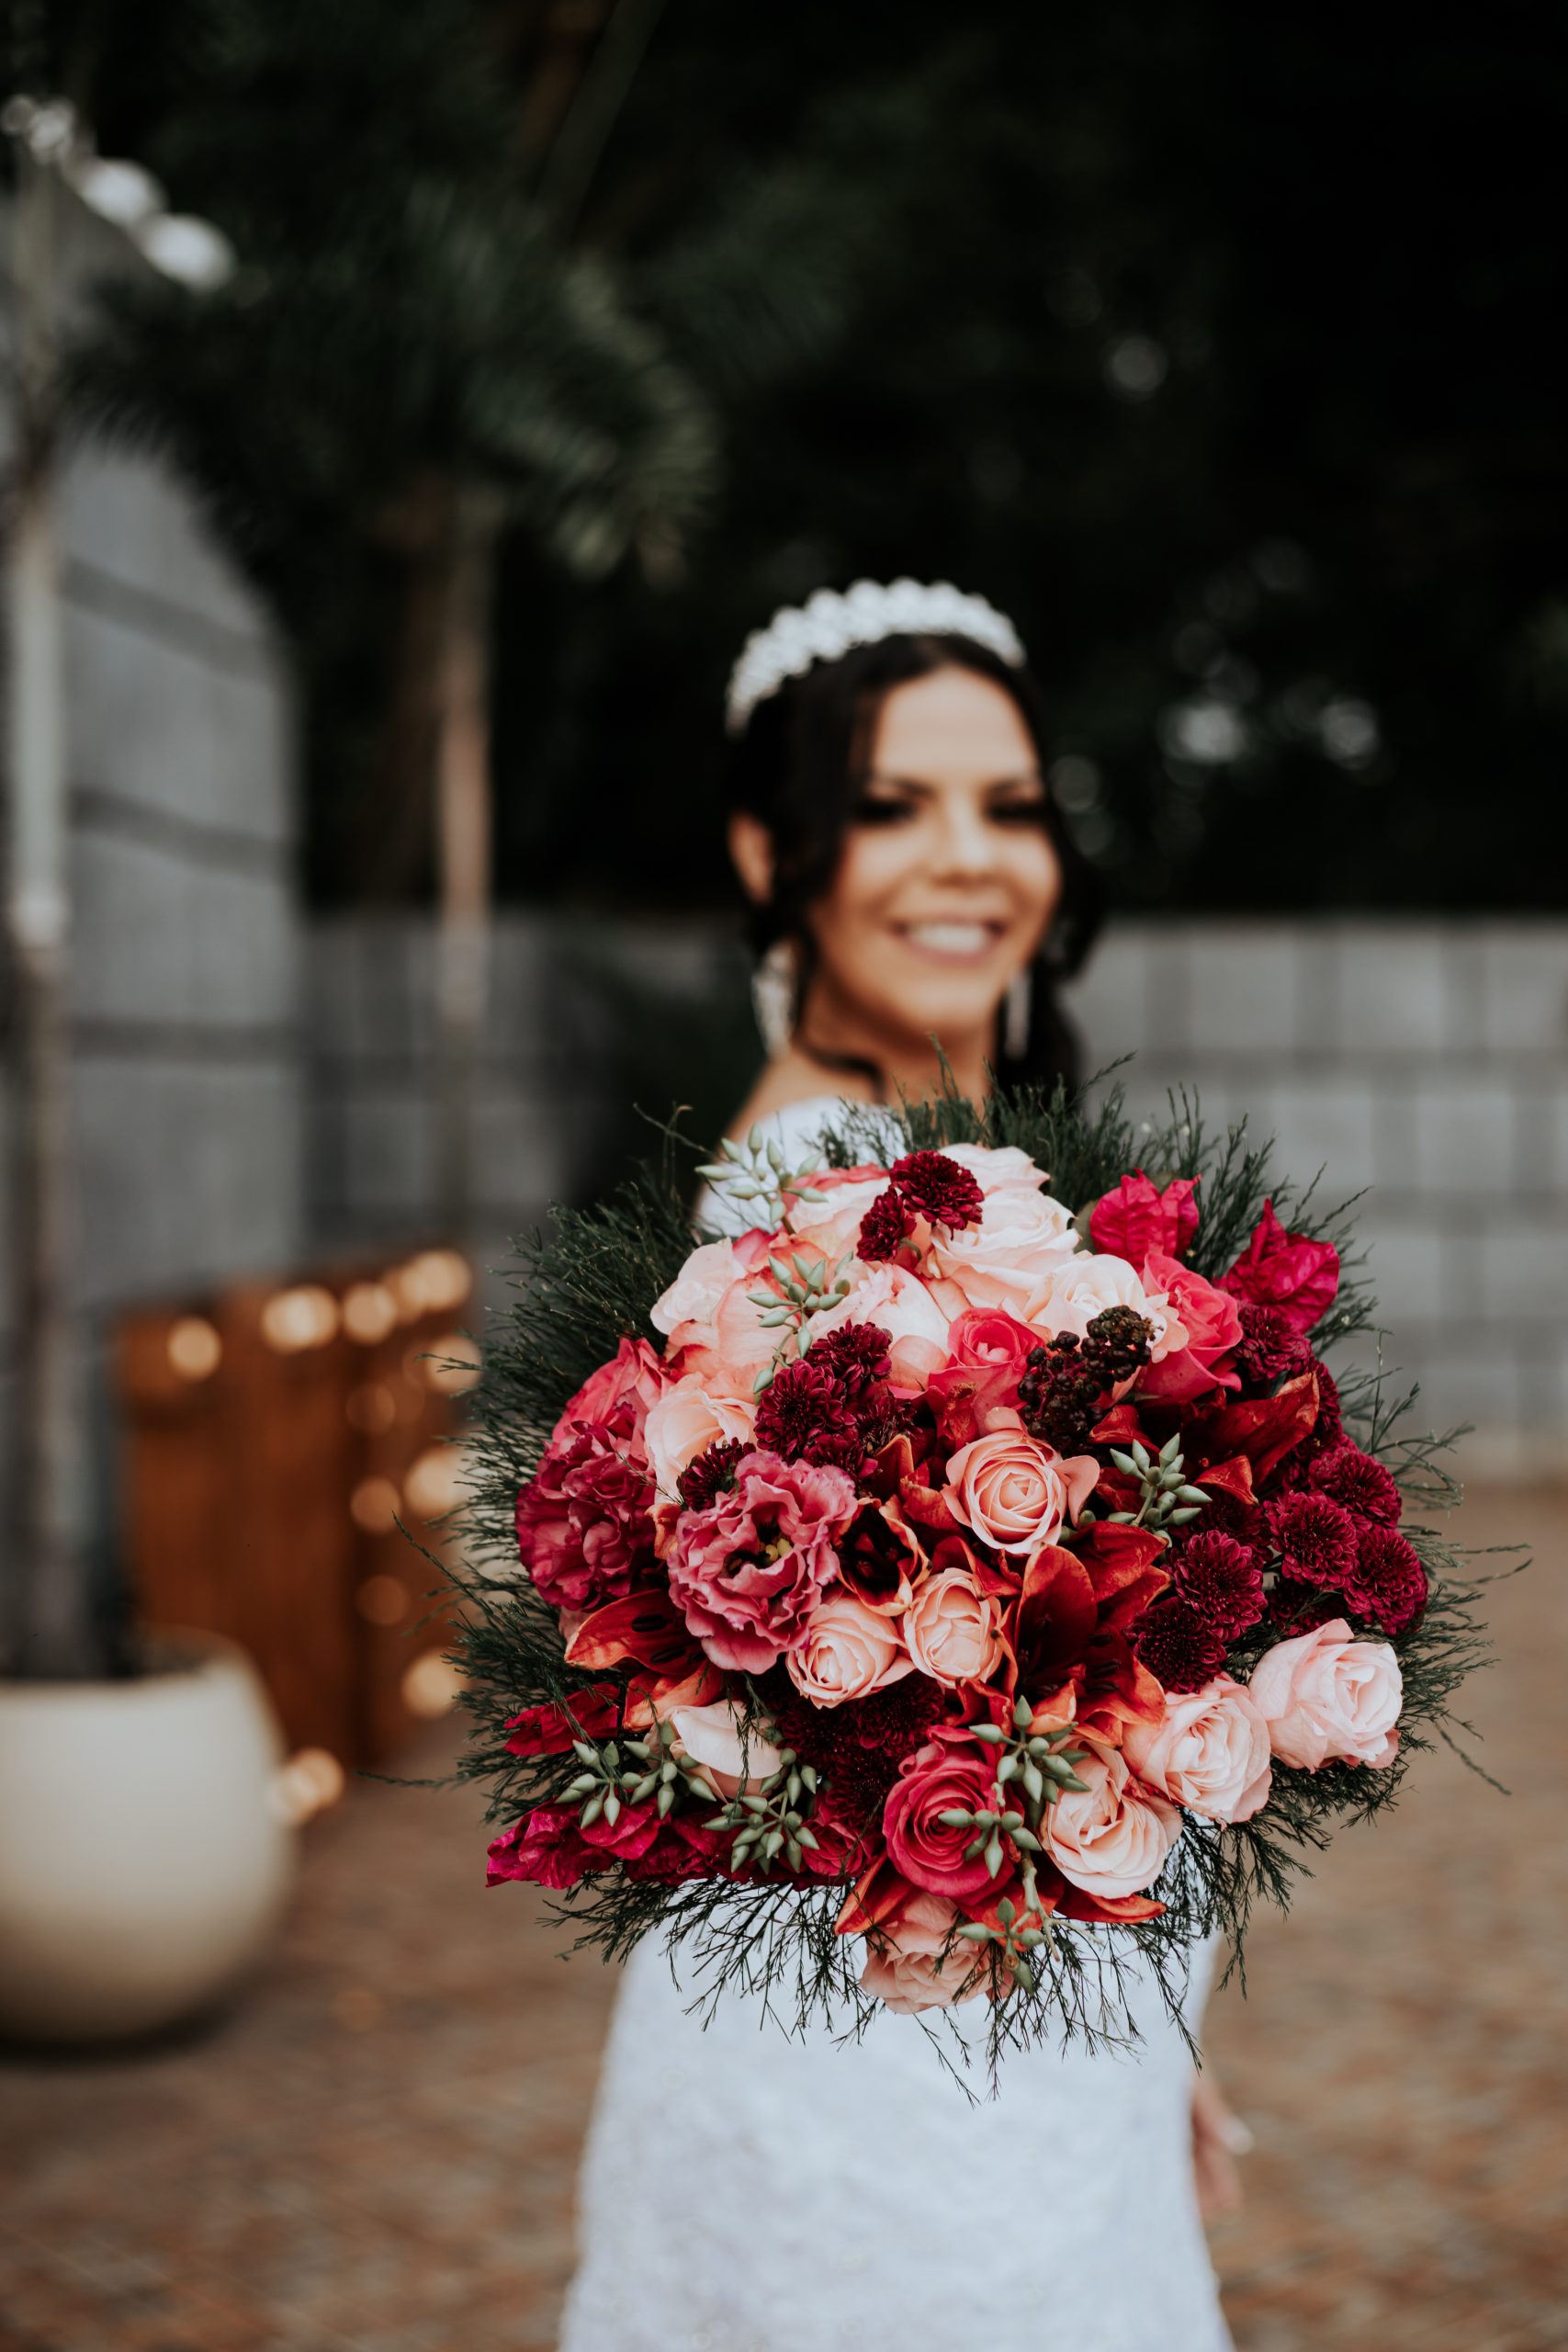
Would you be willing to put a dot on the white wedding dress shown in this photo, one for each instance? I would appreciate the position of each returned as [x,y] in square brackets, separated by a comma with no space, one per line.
[747,2190]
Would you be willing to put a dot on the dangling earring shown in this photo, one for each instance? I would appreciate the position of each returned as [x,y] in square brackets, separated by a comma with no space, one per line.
[1015,1015]
[775,986]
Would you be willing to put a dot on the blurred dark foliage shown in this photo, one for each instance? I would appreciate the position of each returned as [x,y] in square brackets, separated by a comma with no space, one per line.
[1213,345]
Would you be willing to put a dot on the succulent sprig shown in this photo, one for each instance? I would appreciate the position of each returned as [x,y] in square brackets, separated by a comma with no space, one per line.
[757,1173]
[624,1771]
[802,1294]
[1165,1497]
[769,1822]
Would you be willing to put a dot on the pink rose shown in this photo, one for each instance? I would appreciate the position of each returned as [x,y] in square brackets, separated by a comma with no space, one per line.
[1327,1695]
[1014,1493]
[713,1737]
[899,1303]
[685,1312]
[1135,1217]
[1005,1261]
[1209,1752]
[950,1770]
[620,1392]
[1084,1286]
[1112,1839]
[690,1417]
[1212,1325]
[987,1356]
[848,1651]
[903,1968]
[745,1572]
[951,1630]
[1286,1271]
[833,1223]
[1001,1169]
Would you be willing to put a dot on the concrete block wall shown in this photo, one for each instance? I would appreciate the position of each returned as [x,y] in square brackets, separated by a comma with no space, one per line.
[1424,1064]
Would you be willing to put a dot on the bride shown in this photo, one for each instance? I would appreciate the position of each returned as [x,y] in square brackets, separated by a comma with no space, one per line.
[744,2190]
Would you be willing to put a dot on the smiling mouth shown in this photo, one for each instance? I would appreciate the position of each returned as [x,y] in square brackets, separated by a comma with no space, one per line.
[952,942]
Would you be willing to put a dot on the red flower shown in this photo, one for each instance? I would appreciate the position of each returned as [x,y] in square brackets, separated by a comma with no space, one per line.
[858,1355]
[547,1847]
[1389,1584]
[585,1520]
[709,1473]
[1180,1651]
[1355,1481]
[951,1771]
[938,1187]
[1135,1217]
[1316,1540]
[1299,1276]
[1272,1347]
[804,1414]
[1220,1580]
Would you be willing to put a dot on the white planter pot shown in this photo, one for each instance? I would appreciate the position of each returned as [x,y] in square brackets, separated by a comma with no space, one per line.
[142,1862]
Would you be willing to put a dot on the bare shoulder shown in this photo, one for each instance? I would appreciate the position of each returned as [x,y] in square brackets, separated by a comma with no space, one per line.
[791,1079]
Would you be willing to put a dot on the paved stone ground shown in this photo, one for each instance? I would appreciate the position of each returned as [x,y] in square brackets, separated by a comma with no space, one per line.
[374,2153]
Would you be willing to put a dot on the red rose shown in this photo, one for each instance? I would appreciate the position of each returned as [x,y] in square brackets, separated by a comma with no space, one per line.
[1285,1270]
[949,1772]
[1214,1333]
[1135,1217]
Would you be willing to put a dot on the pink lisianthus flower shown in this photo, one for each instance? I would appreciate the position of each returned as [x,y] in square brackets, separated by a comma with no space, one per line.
[1212,1323]
[747,1571]
[904,1967]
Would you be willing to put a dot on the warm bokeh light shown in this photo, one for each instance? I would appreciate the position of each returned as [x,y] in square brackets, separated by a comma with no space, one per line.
[374,1506]
[306,1317]
[430,1686]
[195,1348]
[434,1485]
[369,1312]
[371,1408]
[382,1601]
[453,1365]
[310,1781]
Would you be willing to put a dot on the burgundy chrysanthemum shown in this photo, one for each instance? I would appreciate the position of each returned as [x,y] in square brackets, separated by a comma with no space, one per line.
[709,1475]
[1390,1584]
[1297,1608]
[1220,1580]
[1227,1514]
[1272,1349]
[939,1189]
[885,1226]
[856,1354]
[1353,1478]
[857,1750]
[1180,1651]
[802,1409]
[1316,1540]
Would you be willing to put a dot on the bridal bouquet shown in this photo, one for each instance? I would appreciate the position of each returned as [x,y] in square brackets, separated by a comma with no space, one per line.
[966,1578]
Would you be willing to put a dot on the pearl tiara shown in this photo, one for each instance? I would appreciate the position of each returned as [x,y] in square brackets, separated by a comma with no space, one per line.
[829,625]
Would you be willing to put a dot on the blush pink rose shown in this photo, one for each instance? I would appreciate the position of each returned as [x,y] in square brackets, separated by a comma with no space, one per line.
[903,1967]
[1209,1752]
[747,1572]
[1212,1325]
[847,1652]
[999,1168]
[712,1736]
[950,1770]
[1005,1261]
[1015,1493]
[987,1356]
[899,1303]
[1325,1695]
[690,1417]
[951,1630]
[1112,1839]
[1075,1292]
[834,1223]
[685,1312]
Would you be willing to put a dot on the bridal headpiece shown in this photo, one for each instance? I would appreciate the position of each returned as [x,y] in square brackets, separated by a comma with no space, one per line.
[829,625]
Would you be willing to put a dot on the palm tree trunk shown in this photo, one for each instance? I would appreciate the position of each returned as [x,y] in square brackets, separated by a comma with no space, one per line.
[47,1629]
[464,825]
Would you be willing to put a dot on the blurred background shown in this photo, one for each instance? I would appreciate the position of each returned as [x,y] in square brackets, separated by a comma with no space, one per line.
[406,411]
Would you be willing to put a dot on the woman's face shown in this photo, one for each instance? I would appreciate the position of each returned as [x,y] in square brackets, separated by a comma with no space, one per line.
[948,881]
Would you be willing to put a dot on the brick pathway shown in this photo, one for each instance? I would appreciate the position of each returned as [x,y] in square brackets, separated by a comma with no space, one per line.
[375,2151]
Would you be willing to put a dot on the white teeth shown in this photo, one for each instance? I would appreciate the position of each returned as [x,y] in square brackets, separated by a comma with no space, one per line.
[951,938]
